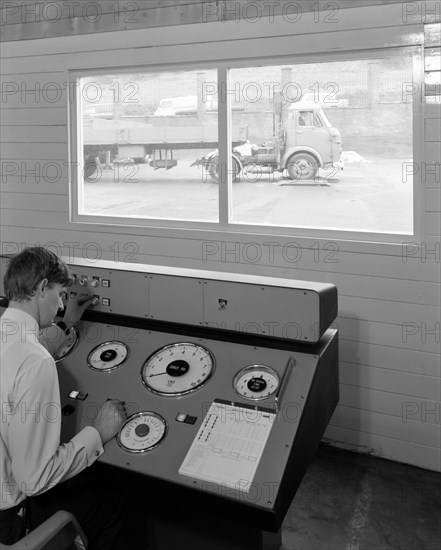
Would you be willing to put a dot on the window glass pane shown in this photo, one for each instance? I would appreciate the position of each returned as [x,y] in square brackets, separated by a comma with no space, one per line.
[304,122]
[142,135]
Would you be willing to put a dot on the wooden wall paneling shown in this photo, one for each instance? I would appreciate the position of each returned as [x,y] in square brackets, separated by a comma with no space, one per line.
[52,20]
[408,335]
[30,184]
[350,263]
[384,446]
[413,430]
[40,117]
[433,223]
[433,200]
[388,403]
[35,151]
[33,134]
[385,311]
[393,359]
[38,203]
[211,52]
[359,19]
[387,381]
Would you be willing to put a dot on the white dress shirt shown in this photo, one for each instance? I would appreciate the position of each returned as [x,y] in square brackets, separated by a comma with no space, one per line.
[31,457]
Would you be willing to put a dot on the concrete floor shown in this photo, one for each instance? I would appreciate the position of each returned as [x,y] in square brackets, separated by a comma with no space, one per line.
[349,501]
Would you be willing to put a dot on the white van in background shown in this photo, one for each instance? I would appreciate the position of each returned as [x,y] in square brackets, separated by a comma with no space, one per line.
[172,106]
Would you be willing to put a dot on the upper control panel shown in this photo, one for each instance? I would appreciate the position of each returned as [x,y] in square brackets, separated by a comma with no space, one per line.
[281,308]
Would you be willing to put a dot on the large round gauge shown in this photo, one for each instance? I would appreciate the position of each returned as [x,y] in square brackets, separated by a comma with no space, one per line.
[142,432]
[256,382]
[107,356]
[70,344]
[177,369]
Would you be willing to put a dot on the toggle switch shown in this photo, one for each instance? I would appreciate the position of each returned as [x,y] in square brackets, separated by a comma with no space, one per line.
[95,282]
[95,300]
[79,395]
[83,280]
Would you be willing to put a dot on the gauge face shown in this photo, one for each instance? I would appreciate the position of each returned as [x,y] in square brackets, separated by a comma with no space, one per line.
[70,344]
[256,382]
[142,432]
[177,369]
[107,356]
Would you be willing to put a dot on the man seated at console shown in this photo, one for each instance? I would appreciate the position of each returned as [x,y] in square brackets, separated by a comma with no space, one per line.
[36,470]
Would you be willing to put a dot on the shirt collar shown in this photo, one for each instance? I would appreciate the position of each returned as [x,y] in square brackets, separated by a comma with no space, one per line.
[29,324]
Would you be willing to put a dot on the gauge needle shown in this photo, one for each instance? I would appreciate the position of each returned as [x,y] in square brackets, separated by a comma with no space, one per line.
[157,374]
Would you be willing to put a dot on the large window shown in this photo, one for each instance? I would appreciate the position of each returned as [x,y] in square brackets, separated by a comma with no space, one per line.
[325,144]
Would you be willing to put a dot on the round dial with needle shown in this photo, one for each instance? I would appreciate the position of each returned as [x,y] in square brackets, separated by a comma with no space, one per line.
[107,356]
[70,344]
[142,432]
[177,369]
[256,382]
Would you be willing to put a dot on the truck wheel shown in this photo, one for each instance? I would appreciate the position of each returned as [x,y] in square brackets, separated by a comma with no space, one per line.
[213,169]
[302,166]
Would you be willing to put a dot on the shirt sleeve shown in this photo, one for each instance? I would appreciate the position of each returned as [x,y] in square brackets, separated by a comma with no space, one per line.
[52,338]
[38,460]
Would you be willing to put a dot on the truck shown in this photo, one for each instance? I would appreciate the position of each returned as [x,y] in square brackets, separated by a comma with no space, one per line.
[303,140]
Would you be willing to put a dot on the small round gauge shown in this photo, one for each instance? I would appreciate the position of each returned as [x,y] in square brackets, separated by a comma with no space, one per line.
[142,432]
[70,344]
[107,356]
[177,369]
[256,382]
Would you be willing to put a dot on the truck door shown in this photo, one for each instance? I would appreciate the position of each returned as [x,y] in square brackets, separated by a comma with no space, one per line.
[307,128]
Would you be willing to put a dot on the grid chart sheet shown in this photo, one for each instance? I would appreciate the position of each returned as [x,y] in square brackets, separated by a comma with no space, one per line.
[229,445]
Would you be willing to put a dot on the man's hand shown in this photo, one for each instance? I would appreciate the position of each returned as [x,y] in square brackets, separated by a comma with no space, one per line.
[110,419]
[76,305]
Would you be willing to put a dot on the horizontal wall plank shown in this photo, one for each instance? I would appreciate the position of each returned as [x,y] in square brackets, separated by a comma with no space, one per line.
[417,432]
[37,116]
[36,185]
[405,385]
[30,81]
[386,447]
[405,268]
[433,200]
[390,359]
[410,268]
[433,223]
[385,311]
[35,151]
[214,51]
[409,335]
[30,11]
[49,96]
[33,134]
[391,404]
[50,202]
[306,23]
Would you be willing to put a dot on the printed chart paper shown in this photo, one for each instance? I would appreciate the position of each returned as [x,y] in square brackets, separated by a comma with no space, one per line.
[229,445]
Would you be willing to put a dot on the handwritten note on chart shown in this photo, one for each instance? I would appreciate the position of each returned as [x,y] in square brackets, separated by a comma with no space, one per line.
[229,445]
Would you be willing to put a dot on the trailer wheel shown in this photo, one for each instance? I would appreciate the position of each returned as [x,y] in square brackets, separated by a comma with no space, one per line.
[213,169]
[302,166]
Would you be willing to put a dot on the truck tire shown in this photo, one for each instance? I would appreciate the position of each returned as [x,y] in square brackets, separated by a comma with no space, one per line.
[302,166]
[213,169]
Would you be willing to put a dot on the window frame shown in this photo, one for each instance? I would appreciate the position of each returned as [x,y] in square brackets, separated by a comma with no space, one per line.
[206,230]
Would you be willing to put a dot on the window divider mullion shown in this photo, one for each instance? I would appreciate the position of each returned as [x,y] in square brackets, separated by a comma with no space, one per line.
[225,160]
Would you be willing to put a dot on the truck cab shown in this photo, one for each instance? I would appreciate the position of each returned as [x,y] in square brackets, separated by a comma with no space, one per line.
[310,141]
